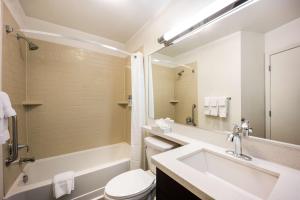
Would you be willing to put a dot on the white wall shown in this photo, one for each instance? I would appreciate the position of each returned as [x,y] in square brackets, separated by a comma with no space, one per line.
[282,38]
[176,13]
[219,74]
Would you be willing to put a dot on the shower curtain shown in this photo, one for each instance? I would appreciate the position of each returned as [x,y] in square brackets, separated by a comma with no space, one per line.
[150,92]
[138,109]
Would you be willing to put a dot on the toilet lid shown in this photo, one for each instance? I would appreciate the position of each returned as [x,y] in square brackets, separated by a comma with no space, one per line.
[129,184]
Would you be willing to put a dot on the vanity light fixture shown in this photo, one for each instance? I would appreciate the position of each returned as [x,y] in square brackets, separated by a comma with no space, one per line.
[211,14]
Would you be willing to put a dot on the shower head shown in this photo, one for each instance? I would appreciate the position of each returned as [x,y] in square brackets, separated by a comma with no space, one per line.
[31,45]
[180,73]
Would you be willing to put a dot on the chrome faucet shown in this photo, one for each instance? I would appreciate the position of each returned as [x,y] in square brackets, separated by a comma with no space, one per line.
[236,135]
[23,161]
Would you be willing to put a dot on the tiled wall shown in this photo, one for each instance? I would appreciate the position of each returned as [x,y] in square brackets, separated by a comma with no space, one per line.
[167,86]
[78,90]
[14,83]
[163,91]
[186,93]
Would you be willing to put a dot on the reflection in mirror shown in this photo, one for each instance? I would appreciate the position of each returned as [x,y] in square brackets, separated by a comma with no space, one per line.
[237,67]
[175,91]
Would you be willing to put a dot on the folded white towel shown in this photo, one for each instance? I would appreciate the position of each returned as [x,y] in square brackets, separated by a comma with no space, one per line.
[1,110]
[206,101]
[4,134]
[214,106]
[207,105]
[163,125]
[6,105]
[6,111]
[63,184]
[223,106]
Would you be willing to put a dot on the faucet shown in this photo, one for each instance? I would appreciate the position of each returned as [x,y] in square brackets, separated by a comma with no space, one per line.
[236,135]
[23,160]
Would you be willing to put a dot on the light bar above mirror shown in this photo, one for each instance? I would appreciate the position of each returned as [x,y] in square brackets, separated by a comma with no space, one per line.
[214,12]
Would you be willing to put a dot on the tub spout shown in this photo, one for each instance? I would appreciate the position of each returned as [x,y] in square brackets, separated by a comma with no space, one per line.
[23,160]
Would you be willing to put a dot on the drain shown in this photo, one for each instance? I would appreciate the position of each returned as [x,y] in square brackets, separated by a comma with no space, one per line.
[25,178]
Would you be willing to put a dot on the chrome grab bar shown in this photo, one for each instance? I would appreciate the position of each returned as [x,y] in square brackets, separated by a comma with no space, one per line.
[13,146]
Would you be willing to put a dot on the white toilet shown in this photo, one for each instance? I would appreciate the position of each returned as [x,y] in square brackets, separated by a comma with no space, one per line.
[138,184]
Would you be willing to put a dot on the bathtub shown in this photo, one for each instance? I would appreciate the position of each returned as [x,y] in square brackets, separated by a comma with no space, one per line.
[93,169]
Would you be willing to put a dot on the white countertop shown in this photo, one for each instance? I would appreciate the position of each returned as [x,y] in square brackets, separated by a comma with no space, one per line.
[287,186]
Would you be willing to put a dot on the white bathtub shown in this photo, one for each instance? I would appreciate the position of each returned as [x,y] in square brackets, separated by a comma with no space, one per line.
[93,168]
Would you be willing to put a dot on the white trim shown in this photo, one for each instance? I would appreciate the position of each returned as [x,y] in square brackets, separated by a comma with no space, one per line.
[98,198]
[90,193]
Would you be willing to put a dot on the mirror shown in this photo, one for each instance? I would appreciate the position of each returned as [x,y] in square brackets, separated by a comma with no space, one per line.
[245,65]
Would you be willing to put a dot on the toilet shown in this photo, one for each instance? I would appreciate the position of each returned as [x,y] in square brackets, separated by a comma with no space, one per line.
[138,184]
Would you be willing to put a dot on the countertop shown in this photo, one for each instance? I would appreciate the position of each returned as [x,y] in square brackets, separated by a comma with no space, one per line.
[286,188]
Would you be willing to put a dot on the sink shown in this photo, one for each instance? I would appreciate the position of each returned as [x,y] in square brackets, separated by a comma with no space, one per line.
[238,174]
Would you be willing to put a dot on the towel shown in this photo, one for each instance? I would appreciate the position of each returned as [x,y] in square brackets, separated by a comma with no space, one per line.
[63,184]
[6,111]
[163,125]
[213,106]
[4,134]
[223,106]
[207,105]
[1,110]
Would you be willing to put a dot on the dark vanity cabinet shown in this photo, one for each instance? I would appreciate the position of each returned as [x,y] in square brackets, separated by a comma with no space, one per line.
[169,189]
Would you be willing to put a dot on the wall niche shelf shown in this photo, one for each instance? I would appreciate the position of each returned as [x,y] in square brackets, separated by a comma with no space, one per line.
[123,103]
[174,101]
[32,103]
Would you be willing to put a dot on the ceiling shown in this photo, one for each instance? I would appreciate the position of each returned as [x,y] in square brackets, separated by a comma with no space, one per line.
[262,16]
[117,20]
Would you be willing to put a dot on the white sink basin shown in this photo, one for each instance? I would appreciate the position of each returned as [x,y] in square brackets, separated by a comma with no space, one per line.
[251,179]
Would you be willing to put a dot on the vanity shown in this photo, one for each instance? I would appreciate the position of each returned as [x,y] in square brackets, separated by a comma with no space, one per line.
[198,170]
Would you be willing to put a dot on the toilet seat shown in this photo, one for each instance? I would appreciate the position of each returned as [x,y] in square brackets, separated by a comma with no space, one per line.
[130,185]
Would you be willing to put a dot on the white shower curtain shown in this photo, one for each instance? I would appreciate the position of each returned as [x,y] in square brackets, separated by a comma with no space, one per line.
[138,109]
[150,93]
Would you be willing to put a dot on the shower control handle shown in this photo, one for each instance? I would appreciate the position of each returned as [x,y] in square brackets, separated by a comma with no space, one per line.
[22,146]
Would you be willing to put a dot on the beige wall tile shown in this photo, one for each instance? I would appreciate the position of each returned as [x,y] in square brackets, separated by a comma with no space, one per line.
[163,91]
[14,83]
[186,93]
[79,90]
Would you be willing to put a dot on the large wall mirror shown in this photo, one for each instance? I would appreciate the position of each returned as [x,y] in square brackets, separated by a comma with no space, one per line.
[238,67]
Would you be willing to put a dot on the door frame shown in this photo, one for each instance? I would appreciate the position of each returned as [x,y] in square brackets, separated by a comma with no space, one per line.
[268,79]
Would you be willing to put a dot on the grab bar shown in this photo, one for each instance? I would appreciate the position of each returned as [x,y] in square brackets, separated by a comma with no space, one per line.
[13,146]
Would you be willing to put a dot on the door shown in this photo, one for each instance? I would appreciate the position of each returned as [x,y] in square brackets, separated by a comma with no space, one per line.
[285,96]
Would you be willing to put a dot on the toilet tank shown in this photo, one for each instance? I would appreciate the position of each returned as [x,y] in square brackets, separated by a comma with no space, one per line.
[155,145]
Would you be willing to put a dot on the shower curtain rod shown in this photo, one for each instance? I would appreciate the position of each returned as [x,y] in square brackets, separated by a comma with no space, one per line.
[75,39]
